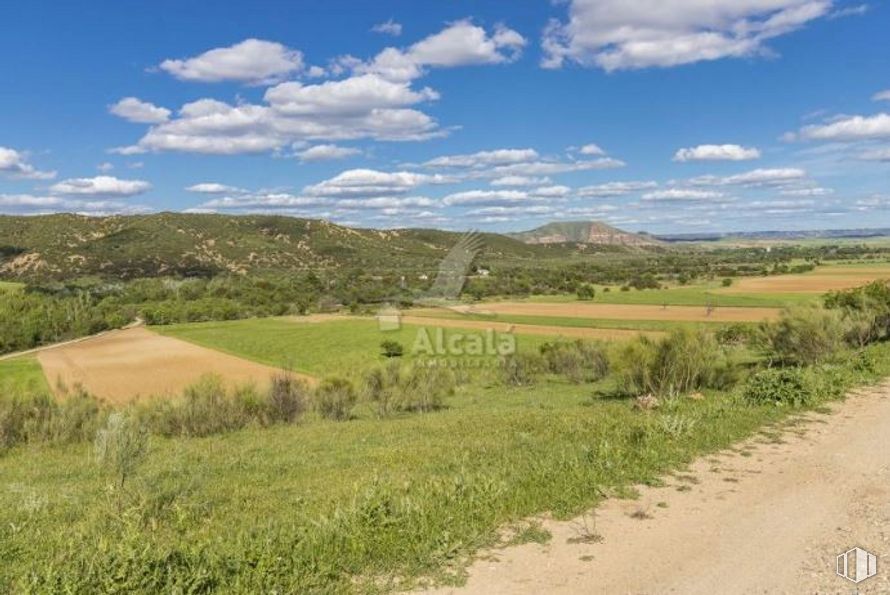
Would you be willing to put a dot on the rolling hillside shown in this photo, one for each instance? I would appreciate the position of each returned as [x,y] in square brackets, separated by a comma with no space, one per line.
[66,245]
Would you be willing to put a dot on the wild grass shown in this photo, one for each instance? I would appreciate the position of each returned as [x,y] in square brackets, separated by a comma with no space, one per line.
[22,374]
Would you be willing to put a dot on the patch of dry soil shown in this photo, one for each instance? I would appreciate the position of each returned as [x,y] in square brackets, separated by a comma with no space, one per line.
[771,520]
[122,365]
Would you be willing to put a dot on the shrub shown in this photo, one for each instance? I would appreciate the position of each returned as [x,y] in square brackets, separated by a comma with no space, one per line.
[520,369]
[804,336]
[579,361]
[786,386]
[335,398]
[286,399]
[392,349]
[121,445]
[679,363]
[726,282]
[204,408]
[586,291]
[415,388]
[735,334]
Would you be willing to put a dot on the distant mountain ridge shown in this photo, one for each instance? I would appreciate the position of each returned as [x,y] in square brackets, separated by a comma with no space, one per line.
[777,235]
[584,232]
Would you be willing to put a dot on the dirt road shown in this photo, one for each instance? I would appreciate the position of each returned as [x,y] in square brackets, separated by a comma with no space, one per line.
[772,521]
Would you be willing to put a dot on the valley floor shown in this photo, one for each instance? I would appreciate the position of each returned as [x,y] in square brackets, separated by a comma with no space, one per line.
[769,516]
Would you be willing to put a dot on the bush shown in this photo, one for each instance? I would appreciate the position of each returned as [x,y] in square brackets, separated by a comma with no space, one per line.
[335,398]
[520,369]
[736,334]
[286,400]
[415,388]
[804,336]
[392,349]
[121,445]
[726,282]
[782,386]
[682,362]
[586,292]
[579,361]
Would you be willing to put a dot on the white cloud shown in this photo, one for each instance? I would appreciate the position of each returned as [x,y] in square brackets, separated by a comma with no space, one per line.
[757,177]
[682,194]
[214,188]
[882,154]
[485,158]
[717,153]
[100,186]
[617,34]
[14,164]
[389,27]
[511,210]
[816,191]
[260,202]
[142,112]
[520,181]
[326,153]
[460,44]
[849,128]
[251,61]
[369,183]
[551,191]
[881,96]
[105,167]
[546,168]
[387,202]
[29,204]
[614,189]
[486,197]
[592,149]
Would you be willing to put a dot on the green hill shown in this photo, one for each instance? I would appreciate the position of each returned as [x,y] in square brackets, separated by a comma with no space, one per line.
[66,245]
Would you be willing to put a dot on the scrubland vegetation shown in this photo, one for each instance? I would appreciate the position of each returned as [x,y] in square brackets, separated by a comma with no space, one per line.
[393,470]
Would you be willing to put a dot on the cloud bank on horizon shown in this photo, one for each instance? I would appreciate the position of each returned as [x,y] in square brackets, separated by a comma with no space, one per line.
[664,116]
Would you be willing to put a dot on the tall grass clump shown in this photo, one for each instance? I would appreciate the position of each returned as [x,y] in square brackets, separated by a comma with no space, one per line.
[681,362]
[780,386]
[335,399]
[30,417]
[417,388]
[121,445]
[287,399]
[579,361]
[521,369]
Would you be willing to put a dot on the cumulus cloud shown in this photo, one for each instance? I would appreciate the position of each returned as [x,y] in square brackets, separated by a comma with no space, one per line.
[756,177]
[717,153]
[881,96]
[592,149]
[15,164]
[213,188]
[882,154]
[326,153]
[142,112]
[369,183]
[485,158]
[389,27]
[105,167]
[100,186]
[459,44]
[28,204]
[616,34]
[547,168]
[260,202]
[815,191]
[614,189]
[849,128]
[520,181]
[252,61]
[682,194]
[486,197]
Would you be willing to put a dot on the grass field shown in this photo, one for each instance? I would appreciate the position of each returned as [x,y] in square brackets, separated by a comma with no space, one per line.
[21,374]
[335,507]
[687,295]
[317,348]
[565,321]
[10,286]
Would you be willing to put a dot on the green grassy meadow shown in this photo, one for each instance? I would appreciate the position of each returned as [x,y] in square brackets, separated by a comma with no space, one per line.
[21,374]
[10,286]
[333,347]
[364,506]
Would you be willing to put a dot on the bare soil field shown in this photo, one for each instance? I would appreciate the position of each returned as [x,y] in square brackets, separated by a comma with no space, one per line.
[123,365]
[628,312]
[821,280]
[769,516]
[607,334]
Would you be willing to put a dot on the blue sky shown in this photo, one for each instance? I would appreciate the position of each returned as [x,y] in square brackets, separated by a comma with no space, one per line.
[665,116]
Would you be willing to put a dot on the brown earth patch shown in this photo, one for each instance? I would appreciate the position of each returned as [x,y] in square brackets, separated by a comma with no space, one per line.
[124,365]
[821,281]
[628,311]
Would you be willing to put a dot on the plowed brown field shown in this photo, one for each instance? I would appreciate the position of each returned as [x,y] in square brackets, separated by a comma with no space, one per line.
[628,312]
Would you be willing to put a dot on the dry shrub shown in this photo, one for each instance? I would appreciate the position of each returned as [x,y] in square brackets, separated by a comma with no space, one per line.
[335,398]
[579,361]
